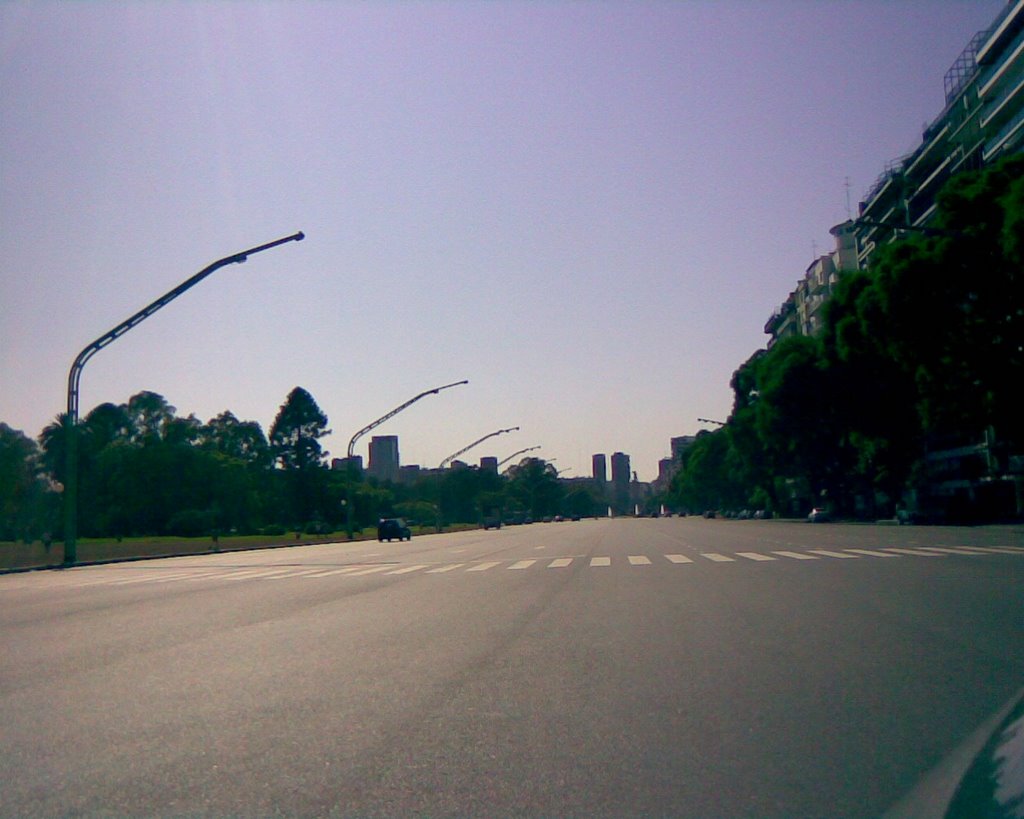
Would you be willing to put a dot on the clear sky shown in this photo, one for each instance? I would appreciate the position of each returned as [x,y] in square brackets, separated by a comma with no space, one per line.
[589,210]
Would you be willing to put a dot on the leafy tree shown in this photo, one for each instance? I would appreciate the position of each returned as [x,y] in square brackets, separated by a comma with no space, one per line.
[295,433]
[294,440]
[149,414]
[533,483]
[22,490]
[241,440]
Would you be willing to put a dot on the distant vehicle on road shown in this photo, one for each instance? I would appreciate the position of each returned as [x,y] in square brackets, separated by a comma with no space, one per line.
[391,528]
[819,515]
[492,522]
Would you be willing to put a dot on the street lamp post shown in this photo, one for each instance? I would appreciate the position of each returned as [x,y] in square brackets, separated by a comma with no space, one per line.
[367,428]
[75,375]
[519,452]
[455,455]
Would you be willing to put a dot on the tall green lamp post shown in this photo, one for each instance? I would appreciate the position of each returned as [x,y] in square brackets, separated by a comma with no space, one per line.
[75,376]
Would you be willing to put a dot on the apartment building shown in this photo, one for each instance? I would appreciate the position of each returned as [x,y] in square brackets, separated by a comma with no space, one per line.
[983,120]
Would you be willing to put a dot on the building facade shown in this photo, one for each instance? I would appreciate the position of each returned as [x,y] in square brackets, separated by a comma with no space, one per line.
[983,120]
[600,469]
[801,314]
[384,458]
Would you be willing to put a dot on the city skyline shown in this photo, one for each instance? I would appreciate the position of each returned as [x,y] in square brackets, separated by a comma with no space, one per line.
[588,211]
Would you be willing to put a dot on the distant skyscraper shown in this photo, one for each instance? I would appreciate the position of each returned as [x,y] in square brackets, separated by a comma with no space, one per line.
[600,468]
[620,482]
[384,457]
[620,470]
[489,464]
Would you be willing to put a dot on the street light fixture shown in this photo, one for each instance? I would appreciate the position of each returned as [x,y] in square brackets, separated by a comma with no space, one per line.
[374,425]
[455,455]
[520,452]
[75,375]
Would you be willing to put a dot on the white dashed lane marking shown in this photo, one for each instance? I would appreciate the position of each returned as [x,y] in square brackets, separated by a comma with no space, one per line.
[483,567]
[124,577]
[915,552]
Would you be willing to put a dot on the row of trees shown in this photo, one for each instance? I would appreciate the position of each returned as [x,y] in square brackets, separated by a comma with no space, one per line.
[923,351]
[144,470]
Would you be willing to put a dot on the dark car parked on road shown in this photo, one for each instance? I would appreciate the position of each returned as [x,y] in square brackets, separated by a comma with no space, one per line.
[391,528]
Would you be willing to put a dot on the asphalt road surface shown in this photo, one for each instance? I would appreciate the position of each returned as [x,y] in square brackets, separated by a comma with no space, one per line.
[604,667]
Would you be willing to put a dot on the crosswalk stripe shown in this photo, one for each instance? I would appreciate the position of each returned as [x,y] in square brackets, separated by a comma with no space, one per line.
[560,563]
[523,564]
[871,553]
[827,553]
[245,575]
[600,561]
[342,570]
[1005,550]
[796,555]
[639,560]
[440,569]
[755,556]
[483,567]
[916,552]
[678,559]
[150,578]
[292,574]
[173,578]
[953,551]
[717,558]
[371,570]
[408,569]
